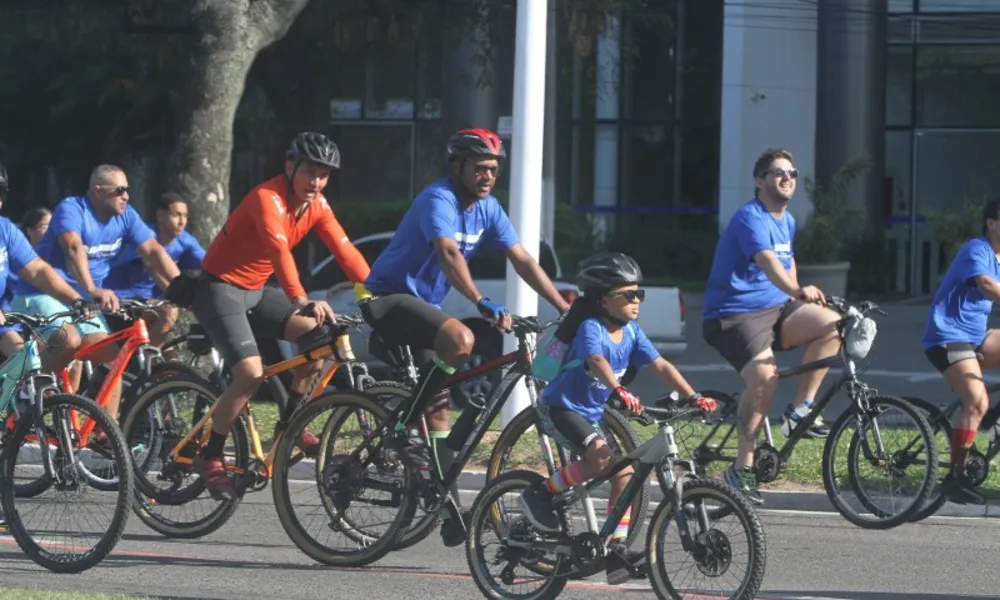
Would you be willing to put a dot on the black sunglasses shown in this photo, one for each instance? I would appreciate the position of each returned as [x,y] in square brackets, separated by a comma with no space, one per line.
[630,295]
[120,190]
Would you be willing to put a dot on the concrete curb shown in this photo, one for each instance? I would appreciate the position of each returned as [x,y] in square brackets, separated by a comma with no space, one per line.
[797,500]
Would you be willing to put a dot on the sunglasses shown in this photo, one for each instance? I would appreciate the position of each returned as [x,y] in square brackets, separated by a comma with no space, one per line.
[120,190]
[630,295]
[779,173]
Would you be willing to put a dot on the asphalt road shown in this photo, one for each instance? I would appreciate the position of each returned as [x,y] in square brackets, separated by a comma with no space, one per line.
[810,556]
[897,364]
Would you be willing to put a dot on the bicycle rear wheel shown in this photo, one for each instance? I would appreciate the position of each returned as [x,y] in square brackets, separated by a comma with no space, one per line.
[60,551]
[892,439]
[359,474]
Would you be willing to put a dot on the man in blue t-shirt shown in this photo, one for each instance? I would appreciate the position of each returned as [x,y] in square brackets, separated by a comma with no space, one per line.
[129,277]
[959,343]
[754,306]
[85,234]
[448,222]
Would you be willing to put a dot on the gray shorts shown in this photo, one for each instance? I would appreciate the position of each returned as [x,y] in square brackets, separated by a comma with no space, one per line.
[740,337]
[946,355]
[232,316]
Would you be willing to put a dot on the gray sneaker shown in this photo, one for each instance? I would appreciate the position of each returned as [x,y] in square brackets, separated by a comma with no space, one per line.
[536,504]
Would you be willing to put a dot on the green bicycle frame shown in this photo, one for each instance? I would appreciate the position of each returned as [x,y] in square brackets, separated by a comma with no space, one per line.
[25,361]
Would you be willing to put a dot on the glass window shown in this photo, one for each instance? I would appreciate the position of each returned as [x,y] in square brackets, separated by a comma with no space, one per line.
[898,175]
[899,85]
[331,274]
[702,61]
[376,162]
[699,166]
[647,172]
[957,6]
[430,155]
[955,166]
[650,62]
[901,6]
[394,73]
[430,75]
[958,86]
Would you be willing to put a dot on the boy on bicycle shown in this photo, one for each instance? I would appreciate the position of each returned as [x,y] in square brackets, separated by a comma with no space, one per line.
[606,342]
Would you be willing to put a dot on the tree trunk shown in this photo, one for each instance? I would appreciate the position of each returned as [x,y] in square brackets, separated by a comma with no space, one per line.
[229,35]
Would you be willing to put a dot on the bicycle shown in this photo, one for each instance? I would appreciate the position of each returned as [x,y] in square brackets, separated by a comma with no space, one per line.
[135,342]
[46,429]
[977,463]
[184,431]
[520,545]
[470,429]
[867,443]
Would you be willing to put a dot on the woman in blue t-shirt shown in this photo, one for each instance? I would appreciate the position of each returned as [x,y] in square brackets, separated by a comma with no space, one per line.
[606,342]
[957,342]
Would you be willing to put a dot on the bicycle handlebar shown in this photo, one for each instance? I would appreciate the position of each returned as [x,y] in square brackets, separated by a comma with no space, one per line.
[844,307]
[525,325]
[667,408]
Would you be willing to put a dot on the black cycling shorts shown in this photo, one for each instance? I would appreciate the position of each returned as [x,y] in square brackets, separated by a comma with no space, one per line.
[569,428]
[405,320]
[231,316]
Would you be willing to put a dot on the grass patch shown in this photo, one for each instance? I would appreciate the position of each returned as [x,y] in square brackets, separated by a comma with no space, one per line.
[37,594]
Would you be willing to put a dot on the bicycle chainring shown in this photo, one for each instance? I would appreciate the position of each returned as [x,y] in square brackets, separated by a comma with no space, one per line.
[977,469]
[768,463]
[588,552]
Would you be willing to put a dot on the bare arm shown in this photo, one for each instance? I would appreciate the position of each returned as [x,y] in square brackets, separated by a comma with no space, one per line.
[43,277]
[667,373]
[989,287]
[599,366]
[768,262]
[455,268]
[158,263]
[793,273]
[76,260]
[529,270]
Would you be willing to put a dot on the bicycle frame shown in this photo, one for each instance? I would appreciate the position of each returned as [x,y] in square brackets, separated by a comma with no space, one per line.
[265,460]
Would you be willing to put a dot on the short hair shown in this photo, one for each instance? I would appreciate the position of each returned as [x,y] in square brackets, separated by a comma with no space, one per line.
[34,216]
[767,157]
[101,172]
[990,210]
[169,198]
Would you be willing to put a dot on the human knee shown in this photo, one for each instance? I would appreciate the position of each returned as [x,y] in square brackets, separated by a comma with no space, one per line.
[599,457]
[455,339]
[247,375]
[761,379]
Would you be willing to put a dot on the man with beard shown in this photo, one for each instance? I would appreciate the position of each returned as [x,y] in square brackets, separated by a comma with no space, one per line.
[755,306]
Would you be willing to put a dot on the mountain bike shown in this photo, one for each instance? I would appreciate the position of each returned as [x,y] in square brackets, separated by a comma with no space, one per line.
[885,435]
[46,430]
[690,507]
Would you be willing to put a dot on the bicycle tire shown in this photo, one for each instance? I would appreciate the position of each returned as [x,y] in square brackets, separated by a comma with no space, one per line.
[619,426]
[336,400]
[483,518]
[738,505]
[121,455]
[147,497]
[829,476]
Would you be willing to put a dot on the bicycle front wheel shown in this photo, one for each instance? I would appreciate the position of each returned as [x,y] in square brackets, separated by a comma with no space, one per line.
[721,567]
[358,489]
[880,465]
[70,498]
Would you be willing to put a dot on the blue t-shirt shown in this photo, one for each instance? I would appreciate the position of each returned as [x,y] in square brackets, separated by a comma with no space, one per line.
[736,284]
[130,279]
[15,253]
[409,265]
[960,311]
[103,240]
[575,388]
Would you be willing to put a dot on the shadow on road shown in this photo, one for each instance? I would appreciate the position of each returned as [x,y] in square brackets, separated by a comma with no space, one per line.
[825,595]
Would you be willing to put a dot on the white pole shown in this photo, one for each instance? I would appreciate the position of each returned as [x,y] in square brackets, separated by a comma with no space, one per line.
[526,166]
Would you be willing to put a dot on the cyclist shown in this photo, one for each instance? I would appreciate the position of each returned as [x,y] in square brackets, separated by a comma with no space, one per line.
[232,301]
[755,306]
[606,343]
[35,223]
[129,279]
[85,235]
[447,223]
[958,342]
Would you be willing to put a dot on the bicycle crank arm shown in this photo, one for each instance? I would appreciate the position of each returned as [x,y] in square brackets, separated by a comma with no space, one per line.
[560,547]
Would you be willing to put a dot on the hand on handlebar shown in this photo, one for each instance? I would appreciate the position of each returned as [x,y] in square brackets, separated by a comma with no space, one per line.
[812,294]
[495,312]
[106,299]
[319,310]
[630,400]
[698,401]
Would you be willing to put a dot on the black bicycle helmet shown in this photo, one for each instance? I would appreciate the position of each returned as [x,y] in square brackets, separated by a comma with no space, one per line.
[475,143]
[314,147]
[3,179]
[606,271]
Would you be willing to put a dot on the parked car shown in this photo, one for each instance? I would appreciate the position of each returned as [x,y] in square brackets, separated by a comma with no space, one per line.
[662,315]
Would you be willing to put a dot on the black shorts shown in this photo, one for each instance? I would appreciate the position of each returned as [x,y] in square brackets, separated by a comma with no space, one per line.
[946,355]
[741,337]
[232,316]
[569,428]
[403,320]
